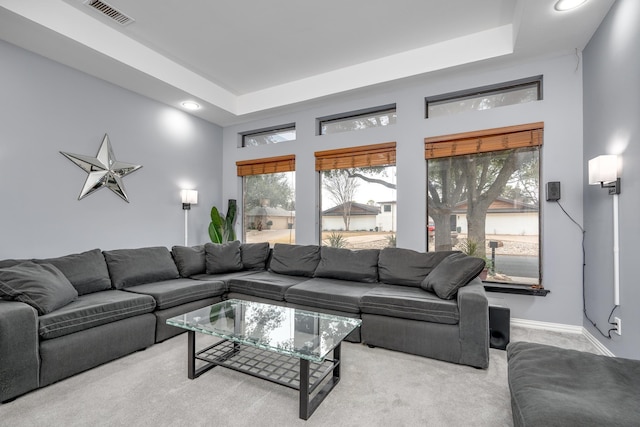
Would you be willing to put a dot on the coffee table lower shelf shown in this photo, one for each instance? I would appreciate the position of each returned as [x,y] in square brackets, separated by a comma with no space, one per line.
[293,372]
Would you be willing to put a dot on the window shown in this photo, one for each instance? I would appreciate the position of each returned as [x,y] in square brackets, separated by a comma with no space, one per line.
[269,136]
[357,120]
[355,183]
[484,98]
[268,199]
[483,199]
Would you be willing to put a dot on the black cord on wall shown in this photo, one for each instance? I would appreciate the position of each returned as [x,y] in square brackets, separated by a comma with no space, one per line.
[584,264]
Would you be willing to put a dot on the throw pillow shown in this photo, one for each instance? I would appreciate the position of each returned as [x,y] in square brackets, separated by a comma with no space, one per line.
[254,255]
[295,260]
[223,258]
[454,272]
[190,260]
[346,264]
[131,267]
[42,286]
[87,271]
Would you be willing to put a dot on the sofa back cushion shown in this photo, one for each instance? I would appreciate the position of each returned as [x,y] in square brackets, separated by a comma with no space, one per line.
[223,257]
[131,267]
[42,286]
[254,255]
[454,272]
[346,264]
[189,260]
[398,266]
[87,271]
[295,260]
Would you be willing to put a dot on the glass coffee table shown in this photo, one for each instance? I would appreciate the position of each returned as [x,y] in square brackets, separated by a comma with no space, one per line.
[284,345]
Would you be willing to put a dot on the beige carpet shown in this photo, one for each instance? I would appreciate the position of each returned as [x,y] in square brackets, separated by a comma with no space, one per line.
[378,388]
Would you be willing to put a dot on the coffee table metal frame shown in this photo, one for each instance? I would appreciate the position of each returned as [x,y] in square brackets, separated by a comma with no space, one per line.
[270,366]
[313,376]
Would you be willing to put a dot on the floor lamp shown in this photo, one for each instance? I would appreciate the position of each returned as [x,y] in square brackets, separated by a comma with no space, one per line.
[189,197]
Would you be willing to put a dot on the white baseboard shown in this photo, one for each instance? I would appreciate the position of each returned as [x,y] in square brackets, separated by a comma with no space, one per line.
[559,327]
[548,326]
[604,350]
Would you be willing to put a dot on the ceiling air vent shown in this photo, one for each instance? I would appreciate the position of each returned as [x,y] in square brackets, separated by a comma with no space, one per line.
[110,11]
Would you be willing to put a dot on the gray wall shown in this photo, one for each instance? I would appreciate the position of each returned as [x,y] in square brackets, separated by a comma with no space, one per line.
[46,108]
[611,117]
[561,112]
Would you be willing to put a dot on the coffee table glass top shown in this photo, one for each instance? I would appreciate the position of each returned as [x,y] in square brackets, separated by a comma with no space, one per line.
[294,332]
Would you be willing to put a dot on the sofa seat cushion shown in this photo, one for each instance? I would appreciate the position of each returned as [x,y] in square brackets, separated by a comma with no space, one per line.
[409,303]
[265,284]
[92,310]
[332,294]
[222,277]
[170,293]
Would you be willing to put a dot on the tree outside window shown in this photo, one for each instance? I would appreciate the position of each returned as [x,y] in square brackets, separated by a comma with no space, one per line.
[487,204]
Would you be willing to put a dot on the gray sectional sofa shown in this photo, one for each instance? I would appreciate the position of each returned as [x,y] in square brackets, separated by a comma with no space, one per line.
[62,316]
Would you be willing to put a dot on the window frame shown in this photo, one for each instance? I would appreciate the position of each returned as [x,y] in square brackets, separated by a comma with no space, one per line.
[488,141]
[485,90]
[352,115]
[266,131]
[383,154]
[263,166]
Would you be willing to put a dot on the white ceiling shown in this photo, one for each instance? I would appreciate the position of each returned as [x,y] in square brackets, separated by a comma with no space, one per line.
[241,59]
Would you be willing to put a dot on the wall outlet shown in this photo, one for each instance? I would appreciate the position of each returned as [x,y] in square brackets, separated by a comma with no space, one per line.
[618,323]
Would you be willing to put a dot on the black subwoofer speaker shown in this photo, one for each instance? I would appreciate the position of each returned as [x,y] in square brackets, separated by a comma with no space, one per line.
[499,327]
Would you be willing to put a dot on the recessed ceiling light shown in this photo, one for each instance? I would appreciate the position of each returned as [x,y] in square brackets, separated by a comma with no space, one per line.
[190,105]
[563,5]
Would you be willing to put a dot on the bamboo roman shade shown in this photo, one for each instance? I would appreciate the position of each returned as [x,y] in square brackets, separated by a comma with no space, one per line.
[529,135]
[267,165]
[357,157]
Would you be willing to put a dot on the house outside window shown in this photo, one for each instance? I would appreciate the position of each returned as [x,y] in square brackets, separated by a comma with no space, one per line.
[355,184]
[268,200]
[483,199]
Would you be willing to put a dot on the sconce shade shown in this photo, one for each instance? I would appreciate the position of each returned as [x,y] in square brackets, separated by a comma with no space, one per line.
[189,196]
[603,169]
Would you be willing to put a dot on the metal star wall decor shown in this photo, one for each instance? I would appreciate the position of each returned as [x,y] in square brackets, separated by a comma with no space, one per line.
[103,169]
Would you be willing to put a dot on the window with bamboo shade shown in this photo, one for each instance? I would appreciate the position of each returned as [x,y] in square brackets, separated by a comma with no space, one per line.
[483,198]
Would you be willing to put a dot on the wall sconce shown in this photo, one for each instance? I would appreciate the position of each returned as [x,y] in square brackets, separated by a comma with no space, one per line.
[188,197]
[603,170]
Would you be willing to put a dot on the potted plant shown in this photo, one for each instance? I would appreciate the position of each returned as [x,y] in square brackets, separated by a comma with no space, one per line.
[221,228]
